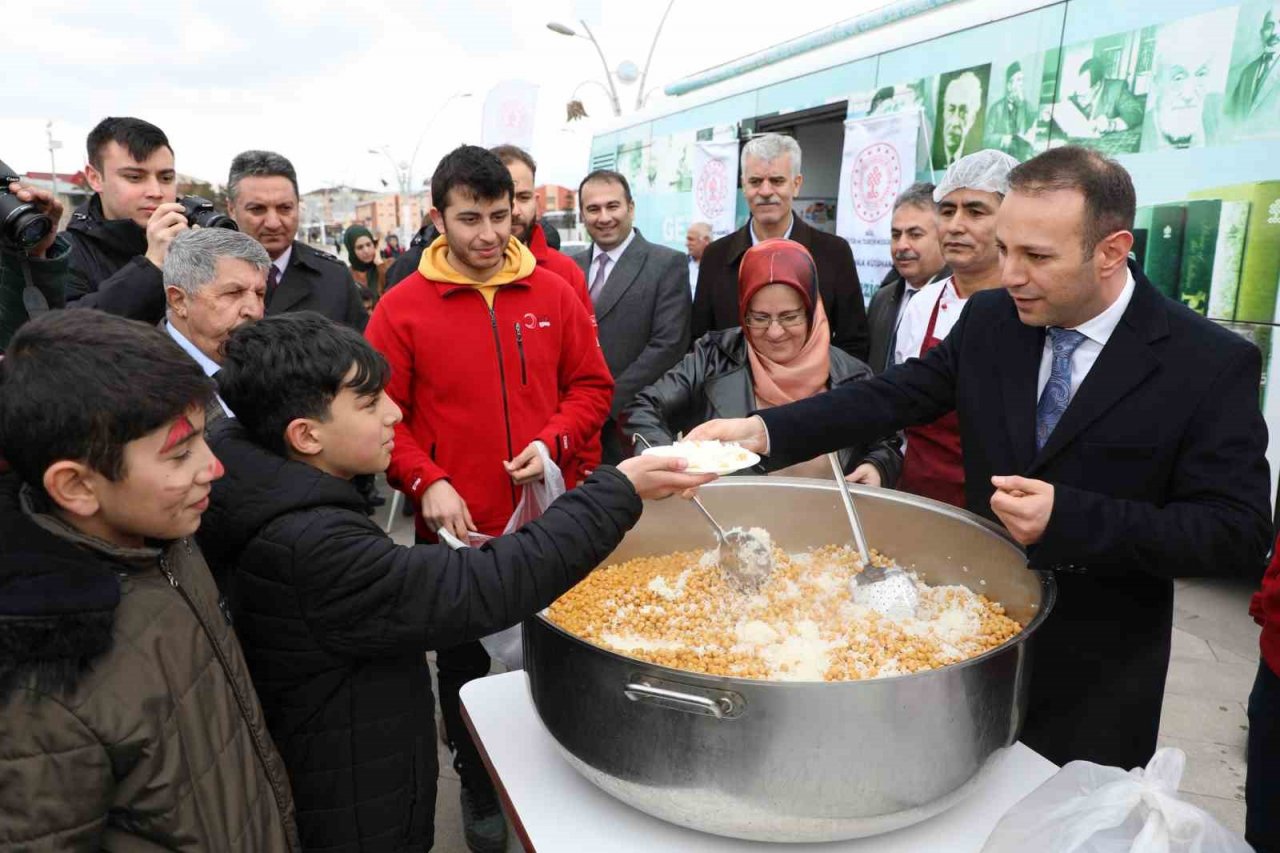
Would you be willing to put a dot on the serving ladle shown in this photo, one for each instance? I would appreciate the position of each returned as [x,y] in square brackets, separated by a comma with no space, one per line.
[745,559]
[885,589]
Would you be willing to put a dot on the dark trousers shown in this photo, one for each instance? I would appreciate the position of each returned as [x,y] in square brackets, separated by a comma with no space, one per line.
[1262,785]
[455,667]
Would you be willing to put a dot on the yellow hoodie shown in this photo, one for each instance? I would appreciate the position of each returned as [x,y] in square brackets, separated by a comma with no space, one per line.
[517,263]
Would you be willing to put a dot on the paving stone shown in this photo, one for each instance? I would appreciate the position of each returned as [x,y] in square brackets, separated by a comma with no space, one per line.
[1200,719]
[1214,770]
[1188,646]
[1225,682]
[1218,611]
[1230,813]
[1225,655]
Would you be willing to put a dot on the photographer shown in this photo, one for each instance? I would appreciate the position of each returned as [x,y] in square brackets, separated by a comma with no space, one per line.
[42,267]
[120,236]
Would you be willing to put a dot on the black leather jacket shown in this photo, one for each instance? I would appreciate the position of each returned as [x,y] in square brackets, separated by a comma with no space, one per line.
[714,381]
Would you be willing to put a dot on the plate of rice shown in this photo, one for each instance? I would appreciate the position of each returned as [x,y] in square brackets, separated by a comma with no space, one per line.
[708,457]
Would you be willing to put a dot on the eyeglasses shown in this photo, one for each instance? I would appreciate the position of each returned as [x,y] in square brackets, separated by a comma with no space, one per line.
[789,320]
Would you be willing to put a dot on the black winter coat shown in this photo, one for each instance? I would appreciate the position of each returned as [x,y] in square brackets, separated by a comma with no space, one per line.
[335,617]
[715,304]
[317,281]
[714,381]
[109,268]
[1159,471]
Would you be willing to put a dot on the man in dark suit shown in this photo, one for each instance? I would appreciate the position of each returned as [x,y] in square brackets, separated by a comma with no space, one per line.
[262,197]
[917,261]
[1257,86]
[1114,432]
[771,178]
[641,296]
[1109,103]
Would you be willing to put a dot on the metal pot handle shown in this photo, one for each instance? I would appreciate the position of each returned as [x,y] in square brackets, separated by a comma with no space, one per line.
[724,706]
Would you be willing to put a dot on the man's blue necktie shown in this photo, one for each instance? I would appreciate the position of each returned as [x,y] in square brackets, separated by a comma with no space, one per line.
[1057,392]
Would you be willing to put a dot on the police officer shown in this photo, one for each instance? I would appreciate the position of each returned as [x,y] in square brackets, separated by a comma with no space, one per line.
[262,194]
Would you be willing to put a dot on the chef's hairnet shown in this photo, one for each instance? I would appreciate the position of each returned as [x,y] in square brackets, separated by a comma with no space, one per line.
[986,170]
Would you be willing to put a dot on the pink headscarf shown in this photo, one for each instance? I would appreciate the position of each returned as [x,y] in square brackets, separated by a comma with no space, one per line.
[778,261]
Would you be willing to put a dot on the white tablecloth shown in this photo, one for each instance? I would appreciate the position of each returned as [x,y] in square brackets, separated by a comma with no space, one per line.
[555,809]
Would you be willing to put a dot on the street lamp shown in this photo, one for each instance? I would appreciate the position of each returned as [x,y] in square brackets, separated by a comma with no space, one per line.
[414,159]
[401,171]
[54,145]
[626,70]
[608,75]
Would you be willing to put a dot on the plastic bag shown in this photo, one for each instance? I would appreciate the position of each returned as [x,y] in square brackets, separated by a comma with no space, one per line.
[507,646]
[1089,808]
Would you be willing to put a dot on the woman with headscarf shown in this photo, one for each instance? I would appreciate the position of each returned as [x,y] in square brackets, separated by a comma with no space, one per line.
[781,353]
[366,267]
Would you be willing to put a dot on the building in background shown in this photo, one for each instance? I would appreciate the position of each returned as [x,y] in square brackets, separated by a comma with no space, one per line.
[558,209]
[392,212]
[331,209]
[552,197]
[73,190]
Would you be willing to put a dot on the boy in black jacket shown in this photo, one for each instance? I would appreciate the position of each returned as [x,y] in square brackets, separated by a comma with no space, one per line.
[333,615]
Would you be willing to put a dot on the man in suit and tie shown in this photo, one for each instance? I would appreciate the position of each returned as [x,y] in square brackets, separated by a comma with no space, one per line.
[1115,433]
[1256,93]
[262,197]
[641,296]
[917,261]
[771,178]
[214,282]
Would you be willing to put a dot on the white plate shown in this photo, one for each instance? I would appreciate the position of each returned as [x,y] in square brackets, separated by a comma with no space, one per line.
[723,458]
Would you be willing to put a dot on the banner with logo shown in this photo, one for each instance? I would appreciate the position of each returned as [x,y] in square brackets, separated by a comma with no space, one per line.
[715,183]
[508,114]
[880,161]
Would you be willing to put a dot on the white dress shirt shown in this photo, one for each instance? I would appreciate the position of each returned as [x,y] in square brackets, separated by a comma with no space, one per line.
[208,365]
[751,229]
[615,254]
[693,276]
[282,262]
[915,320]
[1096,334]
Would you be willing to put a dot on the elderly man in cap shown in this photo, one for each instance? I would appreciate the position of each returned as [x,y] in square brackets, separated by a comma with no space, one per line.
[967,199]
[214,283]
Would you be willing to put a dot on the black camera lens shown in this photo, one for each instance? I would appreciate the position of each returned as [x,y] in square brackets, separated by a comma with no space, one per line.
[200,211]
[22,225]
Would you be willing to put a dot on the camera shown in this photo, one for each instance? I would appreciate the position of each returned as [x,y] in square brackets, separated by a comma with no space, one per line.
[22,225]
[200,212]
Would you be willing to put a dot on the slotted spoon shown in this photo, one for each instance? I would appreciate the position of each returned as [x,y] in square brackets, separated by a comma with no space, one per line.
[885,589]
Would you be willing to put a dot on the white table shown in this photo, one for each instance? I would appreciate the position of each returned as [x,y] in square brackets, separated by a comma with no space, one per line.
[552,808]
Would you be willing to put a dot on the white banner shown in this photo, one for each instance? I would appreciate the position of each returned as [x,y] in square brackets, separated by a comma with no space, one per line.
[508,115]
[715,184]
[880,157]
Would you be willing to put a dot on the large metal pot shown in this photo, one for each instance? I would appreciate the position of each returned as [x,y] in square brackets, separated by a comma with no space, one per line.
[797,761]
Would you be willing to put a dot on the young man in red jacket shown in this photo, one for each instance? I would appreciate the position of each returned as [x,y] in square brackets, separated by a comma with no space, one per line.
[490,354]
[1262,787]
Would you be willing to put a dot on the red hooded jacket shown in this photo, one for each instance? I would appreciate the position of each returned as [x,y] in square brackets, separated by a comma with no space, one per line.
[1265,610]
[477,383]
[562,265]
[565,267]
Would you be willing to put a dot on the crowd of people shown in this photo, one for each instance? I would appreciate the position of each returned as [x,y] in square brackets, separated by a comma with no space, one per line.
[207,643]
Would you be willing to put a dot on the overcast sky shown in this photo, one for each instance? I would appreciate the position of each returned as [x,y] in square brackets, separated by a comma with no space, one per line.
[324,81]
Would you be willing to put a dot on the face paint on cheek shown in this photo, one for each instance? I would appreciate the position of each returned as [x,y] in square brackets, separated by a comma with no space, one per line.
[182,428]
[216,469]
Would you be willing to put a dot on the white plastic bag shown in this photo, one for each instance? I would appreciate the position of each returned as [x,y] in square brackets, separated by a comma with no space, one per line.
[1089,808]
[507,646]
